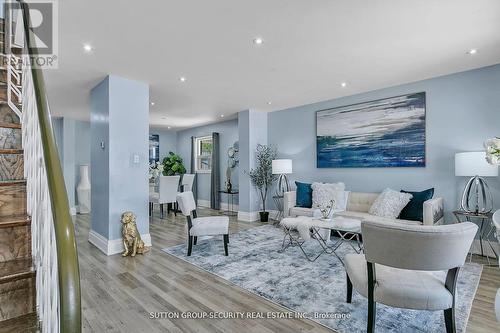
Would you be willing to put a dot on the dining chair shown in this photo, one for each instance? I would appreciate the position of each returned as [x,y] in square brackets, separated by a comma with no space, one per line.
[201,226]
[187,182]
[167,194]
[397,268]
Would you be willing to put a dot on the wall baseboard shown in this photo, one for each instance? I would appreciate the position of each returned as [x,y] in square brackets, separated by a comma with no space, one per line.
[203,203]
[113,246]
[248,216]
[223,205]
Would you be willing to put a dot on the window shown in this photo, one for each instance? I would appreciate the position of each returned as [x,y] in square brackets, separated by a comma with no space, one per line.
[204,154]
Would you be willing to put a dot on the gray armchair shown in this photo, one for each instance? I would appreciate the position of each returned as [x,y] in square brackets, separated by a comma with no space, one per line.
[396,268]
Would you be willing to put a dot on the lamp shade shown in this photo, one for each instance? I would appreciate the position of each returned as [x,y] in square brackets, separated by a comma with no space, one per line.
[282,166]
[474,163]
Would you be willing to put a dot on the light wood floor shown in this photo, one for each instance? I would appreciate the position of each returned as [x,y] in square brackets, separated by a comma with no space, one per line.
[119,293]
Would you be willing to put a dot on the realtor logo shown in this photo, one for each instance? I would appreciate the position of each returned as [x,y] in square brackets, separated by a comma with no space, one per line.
[43,33]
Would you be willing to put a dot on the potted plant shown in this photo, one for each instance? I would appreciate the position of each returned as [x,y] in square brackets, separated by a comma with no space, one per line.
[262,176]
[172,165]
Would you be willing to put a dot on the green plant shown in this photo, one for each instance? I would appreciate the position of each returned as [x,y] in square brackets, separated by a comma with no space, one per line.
[172,165]
[262,176]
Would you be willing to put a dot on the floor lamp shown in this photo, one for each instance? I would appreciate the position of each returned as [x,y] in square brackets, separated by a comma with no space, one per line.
[282,167]
[476,197]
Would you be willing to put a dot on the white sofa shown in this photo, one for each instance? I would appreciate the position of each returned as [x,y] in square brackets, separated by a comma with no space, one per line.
[358,205]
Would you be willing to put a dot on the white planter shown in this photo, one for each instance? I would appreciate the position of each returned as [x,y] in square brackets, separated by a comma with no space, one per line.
[83,190]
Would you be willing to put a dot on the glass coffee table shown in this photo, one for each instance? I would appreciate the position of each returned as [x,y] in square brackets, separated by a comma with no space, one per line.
[301,229]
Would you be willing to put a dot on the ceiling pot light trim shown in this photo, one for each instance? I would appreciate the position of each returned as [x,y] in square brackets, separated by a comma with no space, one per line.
[258,41]
[87,47]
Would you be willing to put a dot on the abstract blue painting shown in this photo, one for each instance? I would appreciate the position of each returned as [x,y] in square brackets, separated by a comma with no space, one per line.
[388,132]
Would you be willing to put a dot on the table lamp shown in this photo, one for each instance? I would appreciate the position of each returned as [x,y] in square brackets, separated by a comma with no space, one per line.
[282,167]
[476,197]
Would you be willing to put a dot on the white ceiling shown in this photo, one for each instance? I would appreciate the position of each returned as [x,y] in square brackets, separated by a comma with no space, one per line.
[309,48]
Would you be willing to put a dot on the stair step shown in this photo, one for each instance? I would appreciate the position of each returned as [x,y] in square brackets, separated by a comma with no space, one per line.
[11,151]
[13,182]
[15,237]
[7,115]
[14,221]
[11,165]
[10,125]
[12,197]
[4,102]
[25,324]
[17,289]
[14,270]
[10,138]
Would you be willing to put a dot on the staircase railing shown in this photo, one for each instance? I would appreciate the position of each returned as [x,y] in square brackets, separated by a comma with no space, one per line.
[53,237]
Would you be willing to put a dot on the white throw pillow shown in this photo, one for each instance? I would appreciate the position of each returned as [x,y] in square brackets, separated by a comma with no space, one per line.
[323,193]
[390,203]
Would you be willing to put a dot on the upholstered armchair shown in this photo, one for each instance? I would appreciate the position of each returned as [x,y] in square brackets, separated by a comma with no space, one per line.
[397,267]
[201,226]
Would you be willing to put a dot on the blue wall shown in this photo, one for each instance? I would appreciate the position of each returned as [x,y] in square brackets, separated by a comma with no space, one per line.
[228,131]
[74,136]
[57,127]
[128,136]
[168,141]
[99,167]
[82,147]
[119,118]
[463,110]
[252,131]
[68,160]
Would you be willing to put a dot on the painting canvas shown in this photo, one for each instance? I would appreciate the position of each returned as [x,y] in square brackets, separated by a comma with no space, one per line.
[154,148]
[383,133]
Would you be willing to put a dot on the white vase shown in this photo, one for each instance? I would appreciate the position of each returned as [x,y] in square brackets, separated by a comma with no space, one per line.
[83,190]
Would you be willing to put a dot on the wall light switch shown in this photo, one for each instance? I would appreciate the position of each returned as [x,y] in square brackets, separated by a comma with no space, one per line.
[103,145]
[136,159]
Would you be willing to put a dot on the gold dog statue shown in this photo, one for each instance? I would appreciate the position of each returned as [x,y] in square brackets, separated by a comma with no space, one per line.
[132,241]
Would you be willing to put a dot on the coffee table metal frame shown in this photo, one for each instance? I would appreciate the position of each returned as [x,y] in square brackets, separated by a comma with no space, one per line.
[292,239]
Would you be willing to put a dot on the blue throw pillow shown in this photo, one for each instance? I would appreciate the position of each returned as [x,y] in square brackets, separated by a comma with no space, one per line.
[414,210]
[304,195]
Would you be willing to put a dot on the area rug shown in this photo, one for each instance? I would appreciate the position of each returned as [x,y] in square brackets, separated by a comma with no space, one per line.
[315,288]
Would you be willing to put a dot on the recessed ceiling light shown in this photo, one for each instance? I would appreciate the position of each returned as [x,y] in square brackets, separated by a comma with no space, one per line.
[169,127]
[152,103]
[87,47]
[269,103]
[182,79]
[343,84]
[222,116]
[472,51]
[258,41]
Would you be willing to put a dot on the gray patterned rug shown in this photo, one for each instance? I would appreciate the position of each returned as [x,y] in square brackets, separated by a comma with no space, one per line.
[255,264]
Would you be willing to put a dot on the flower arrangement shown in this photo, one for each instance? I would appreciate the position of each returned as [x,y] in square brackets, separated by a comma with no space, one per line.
[155,169]
[326,209]
[493,151]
